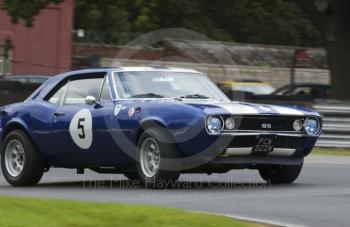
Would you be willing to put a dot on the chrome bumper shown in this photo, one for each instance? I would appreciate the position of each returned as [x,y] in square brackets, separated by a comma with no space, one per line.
[249,151]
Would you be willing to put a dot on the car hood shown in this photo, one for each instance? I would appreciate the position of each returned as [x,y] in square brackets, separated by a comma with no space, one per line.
[241,108]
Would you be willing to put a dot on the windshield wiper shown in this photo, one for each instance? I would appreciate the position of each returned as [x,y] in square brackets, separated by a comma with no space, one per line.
[147,95]
[194,96]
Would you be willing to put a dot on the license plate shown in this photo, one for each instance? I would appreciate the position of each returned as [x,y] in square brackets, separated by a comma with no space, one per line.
[263,144]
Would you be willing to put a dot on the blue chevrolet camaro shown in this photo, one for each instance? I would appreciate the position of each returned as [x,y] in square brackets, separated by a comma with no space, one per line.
[150,124]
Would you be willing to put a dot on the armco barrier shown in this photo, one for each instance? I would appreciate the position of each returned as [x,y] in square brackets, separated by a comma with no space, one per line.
[336,125]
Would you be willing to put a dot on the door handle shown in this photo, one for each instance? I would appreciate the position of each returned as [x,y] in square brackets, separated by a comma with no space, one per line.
[58,114]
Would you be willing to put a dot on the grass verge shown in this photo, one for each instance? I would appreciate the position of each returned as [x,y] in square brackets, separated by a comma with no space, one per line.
[51,213]
[336,152]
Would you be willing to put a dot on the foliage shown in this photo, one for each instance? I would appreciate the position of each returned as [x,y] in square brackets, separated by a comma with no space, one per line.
[253,21]
[107,20]
[55,213]
[26,9]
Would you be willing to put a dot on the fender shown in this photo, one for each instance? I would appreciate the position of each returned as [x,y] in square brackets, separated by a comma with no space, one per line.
[149,123]
[157,122]
[16,123]
[153,121]
[2,114]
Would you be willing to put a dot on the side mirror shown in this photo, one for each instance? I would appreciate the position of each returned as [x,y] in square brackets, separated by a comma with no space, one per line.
[90,100]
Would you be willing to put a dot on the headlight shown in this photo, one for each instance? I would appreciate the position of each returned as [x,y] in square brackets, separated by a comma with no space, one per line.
[215,124]
[312,126]
[297,125]
[230,123]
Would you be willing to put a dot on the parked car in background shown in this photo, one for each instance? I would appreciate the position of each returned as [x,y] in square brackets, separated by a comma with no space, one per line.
[305,91]
[27,80]
[302,93]
[17,88]
[245,89]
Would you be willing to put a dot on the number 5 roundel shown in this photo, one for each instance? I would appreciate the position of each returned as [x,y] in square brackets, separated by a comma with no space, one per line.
[80,129]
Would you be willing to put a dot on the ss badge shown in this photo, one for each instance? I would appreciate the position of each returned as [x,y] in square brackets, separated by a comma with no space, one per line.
[266,126]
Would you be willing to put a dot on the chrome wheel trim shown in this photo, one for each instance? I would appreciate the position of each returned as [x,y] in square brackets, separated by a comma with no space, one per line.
[150,157]
[14,158]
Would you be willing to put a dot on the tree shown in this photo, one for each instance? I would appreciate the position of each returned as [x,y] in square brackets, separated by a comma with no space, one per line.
[332,17]
[254,21]
[105,21]
[26,9]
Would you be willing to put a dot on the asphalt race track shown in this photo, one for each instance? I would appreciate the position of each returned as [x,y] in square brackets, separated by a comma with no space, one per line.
[320,197]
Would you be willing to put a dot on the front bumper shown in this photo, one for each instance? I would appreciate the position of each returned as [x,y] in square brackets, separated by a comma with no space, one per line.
[238,154]
[284,145]
[235,150]
[255,160]
[223,164]
[227,152]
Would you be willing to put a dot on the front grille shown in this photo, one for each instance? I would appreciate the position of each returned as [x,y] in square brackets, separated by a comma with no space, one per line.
[264,123]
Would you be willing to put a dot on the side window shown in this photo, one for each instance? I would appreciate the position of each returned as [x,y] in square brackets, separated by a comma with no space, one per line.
[35,80]
[77,90]
[57,96]
[283,91]
[105,94]
[18,79]
[302,91]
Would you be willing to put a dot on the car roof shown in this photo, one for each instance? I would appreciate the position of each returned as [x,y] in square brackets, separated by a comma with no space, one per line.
[52,82]
[155,68]
[137,68]
[125,69]
[232,83]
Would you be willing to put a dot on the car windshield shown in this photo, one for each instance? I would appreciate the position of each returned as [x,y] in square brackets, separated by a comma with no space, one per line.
[255,89]
[160,84]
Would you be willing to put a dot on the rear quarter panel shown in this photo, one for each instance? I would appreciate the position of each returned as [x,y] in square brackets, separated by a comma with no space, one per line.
[34,117]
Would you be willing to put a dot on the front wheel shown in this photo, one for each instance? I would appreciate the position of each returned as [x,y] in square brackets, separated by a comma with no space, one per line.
[20,161]
[155,155]
[280,174]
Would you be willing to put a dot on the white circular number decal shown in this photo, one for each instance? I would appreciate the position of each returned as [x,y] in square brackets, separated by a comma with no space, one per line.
[80,129]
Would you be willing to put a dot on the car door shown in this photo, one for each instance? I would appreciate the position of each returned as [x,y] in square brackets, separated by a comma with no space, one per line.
[104,150]
[78,128]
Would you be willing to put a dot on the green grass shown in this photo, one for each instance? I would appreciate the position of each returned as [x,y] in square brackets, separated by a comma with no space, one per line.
[329,151]
[60,213]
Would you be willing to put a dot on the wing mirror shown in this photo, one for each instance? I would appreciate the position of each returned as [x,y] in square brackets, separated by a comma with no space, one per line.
[90,100]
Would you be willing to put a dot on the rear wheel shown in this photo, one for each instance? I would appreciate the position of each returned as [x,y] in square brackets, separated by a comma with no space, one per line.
[280,174]
[155,155]
[20,162]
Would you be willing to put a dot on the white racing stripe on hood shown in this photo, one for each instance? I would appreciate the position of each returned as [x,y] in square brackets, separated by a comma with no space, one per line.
[239,108]
[287,111]
[236,108]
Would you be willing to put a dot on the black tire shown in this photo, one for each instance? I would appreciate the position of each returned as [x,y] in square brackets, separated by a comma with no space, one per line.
[164,177]
[280,174]
[33,165]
